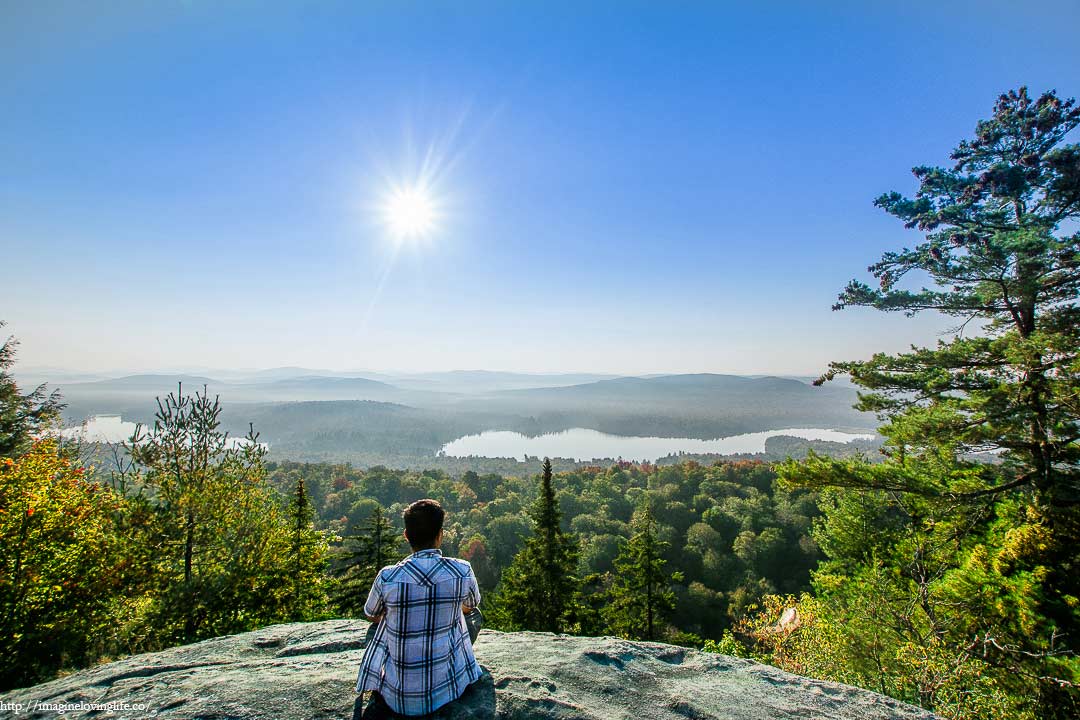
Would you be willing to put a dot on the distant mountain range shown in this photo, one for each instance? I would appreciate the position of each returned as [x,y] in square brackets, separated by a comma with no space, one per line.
[115,394]
[396,420]
[475,381]
[701,405]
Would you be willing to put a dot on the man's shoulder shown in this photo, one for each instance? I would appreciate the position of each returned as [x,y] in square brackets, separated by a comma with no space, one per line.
[412,569]
[457,566]
[391,572]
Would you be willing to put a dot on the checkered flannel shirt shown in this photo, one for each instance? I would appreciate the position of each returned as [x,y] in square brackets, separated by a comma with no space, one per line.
[420,657]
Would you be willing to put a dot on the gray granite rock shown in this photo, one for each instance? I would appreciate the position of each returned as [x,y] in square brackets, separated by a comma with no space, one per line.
[308,670]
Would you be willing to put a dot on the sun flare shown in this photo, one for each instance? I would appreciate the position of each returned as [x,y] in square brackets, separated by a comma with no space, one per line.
[410,212]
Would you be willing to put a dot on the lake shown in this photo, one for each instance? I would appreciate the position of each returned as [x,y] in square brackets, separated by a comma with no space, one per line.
[583,444]
[101,429]
[114,429]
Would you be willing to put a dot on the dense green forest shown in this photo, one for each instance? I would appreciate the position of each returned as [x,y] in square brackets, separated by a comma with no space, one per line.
[732,533]
[927,572]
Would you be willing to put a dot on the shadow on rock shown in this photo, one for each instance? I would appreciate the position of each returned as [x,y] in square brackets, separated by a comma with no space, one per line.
[476,703]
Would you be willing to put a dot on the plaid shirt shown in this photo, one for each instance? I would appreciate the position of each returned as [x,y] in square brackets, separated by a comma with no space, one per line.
[420,657]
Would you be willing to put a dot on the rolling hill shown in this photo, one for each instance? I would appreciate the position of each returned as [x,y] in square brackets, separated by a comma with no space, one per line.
[359,418]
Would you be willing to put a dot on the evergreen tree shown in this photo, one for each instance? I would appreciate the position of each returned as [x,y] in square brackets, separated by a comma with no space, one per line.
[976,561]
[640,593]
[363,554]
[307,556]
[539,589]
[22,417]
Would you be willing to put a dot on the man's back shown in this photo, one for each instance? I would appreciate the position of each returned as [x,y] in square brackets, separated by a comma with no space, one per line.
[420,657]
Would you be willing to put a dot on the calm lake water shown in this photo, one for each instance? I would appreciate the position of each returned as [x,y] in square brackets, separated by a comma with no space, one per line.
[583,444]
[114,429]
[101,429]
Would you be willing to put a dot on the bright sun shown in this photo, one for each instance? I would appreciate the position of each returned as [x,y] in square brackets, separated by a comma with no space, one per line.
[410,213]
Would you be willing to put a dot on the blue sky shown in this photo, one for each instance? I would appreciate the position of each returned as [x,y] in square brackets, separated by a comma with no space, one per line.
[622,187]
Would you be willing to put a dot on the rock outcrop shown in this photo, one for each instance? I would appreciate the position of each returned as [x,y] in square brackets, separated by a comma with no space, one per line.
[307,670]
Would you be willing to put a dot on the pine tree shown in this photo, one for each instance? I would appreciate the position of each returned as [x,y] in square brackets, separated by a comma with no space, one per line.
[22,417]
[978,558]
[363,554]
[640,593]
[301,513]
[221,561]
[539,589]
[307,558]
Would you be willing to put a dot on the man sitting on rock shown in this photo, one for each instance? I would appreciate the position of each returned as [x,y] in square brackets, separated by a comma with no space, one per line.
[420,656]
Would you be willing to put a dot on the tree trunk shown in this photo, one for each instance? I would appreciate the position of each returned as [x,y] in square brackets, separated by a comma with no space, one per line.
[189,549]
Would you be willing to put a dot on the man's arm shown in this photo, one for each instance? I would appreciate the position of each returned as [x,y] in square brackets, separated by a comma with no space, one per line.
[472,594]
[375,608]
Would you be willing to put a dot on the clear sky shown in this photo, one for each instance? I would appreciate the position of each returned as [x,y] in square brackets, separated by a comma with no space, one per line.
[619,187]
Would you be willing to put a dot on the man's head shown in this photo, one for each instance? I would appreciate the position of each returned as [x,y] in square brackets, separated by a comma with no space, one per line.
[423,524]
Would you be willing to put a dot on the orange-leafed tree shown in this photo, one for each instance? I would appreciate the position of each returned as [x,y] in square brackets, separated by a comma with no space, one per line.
[60,564]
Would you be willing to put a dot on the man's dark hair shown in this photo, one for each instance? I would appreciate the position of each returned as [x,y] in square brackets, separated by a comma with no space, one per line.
[423,521]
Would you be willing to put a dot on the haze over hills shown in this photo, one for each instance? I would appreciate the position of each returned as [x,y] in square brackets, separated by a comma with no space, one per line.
[472,381]
[407,419]
[463,381]
[697,406]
